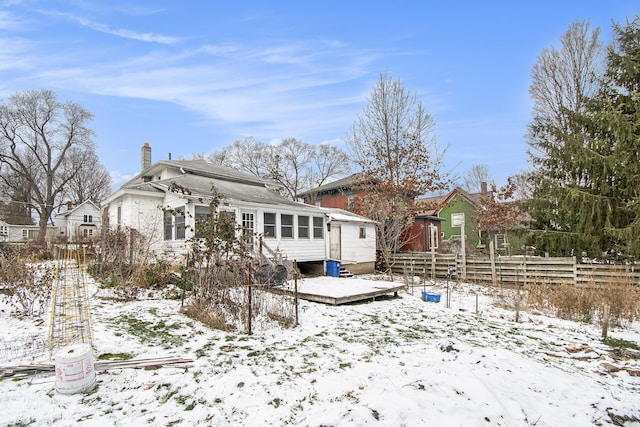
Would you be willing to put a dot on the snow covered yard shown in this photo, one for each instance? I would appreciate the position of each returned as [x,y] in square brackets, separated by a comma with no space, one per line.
[393,362]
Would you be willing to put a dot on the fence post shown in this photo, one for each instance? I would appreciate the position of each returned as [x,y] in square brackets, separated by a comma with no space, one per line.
[492,255]
[295,287]
[249,314]
[605,322]
[575,271]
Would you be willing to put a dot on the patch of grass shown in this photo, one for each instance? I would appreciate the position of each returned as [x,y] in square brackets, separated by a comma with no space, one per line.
[149,332]
[617,342]
[22,423]
[115,356]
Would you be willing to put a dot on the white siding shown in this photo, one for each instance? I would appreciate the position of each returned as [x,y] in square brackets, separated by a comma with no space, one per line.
[72,223]
[355,249]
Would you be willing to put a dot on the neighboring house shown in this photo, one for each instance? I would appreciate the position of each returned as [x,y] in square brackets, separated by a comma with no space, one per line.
[16,233]
[459,206]
[425,231]
[425,234]
[352,240]
[297,230]
[339,194]
[80,223]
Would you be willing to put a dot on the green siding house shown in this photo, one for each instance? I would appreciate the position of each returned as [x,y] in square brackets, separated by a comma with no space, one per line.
[457,206]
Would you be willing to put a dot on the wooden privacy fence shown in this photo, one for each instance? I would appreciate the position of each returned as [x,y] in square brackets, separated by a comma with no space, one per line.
[513,270]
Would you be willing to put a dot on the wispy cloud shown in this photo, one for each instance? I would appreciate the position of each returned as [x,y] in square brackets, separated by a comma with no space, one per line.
[235,84]
[9,22]
[123,33]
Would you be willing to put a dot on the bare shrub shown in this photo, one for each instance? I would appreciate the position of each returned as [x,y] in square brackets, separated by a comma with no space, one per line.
[220,269]
[27,287]
[587,303]
[623,300]
[204,312]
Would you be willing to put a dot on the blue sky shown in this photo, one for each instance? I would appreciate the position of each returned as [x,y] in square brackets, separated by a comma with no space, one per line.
[191,77]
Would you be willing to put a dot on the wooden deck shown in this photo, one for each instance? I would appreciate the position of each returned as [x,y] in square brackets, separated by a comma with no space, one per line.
[343,291]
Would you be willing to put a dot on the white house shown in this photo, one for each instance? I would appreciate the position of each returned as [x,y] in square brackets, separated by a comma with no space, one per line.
[80,223]
[20,233]
[165,199]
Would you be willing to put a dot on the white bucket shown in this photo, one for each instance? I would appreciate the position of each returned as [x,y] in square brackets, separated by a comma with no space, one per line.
[75,372]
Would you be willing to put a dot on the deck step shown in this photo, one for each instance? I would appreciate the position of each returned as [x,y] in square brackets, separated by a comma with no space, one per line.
[345,273]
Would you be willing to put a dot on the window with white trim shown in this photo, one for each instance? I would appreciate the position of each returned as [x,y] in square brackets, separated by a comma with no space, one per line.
[303,227]
[318,227]
[269,224]
[286,225]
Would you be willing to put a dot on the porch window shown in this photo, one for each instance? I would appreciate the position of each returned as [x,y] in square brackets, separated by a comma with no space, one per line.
[202,220]
[303,227]
[269,224]
[286,225]
[227,225]
[318,227]
[4,230]
[501,241]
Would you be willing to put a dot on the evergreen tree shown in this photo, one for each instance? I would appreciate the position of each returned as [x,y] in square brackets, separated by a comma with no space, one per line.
[585,198]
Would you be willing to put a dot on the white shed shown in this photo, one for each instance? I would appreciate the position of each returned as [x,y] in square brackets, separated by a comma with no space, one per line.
[352,240]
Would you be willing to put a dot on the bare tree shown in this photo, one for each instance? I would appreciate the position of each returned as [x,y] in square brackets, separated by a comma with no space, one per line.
[91,181]
[394,145]
[562,157]
[37,134]
[561,81]
[293,163]
[478,174]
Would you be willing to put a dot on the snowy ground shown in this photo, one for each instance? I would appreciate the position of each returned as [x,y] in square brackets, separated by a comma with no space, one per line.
[393,362]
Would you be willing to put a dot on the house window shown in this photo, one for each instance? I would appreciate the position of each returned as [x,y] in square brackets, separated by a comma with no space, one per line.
[433,236]
[88,218]
[226,225]
[363,232]
[248,224]
[4,230]
[318,227]
[303,227]
[168,225]
[501,241]
[174,222]
[286,225]
[179,223]
[202,220]
[30,234]
[119,220]
[269,224]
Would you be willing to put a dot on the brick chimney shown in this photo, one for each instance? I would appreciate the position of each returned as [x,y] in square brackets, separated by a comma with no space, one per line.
[146,156]
[483,187]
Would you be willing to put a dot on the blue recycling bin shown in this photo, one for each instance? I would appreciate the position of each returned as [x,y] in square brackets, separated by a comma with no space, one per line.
[430,297]
[333,268]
